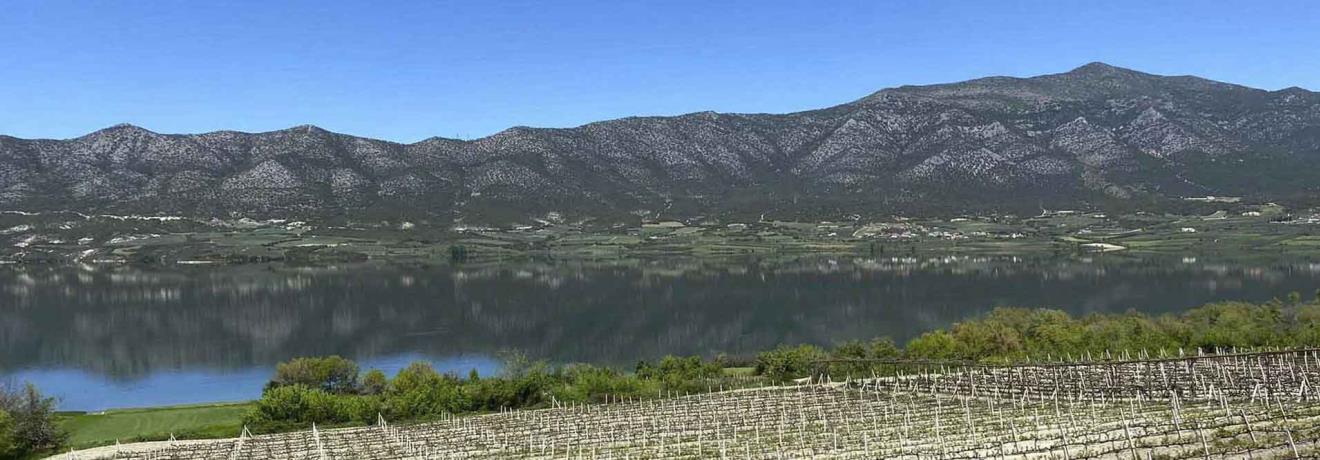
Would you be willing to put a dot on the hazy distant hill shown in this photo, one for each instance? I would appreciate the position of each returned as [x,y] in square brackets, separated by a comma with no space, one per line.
[1097,135]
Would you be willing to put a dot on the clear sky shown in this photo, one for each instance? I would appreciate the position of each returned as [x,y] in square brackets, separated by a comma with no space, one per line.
[406,71]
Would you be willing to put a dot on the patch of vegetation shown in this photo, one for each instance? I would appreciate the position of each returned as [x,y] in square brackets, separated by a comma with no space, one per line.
[330,391]
[316,390]
[154,424]
[331,374]
[326,390]
[1017,335]
[27,422]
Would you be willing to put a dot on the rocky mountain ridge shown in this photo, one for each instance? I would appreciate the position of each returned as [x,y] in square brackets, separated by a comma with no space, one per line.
[1095,136]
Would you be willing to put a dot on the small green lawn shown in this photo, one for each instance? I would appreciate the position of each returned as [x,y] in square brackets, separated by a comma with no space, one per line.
[196,421]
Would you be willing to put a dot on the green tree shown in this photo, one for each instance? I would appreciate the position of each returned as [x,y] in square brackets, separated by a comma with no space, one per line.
[1234,324]
[32,419]
[885,348]
[527,388]
[418,390]
[416,376]
[282,403]
[787,362]
[331,373]
[8,441]
[847,351]
[374,382]
[938,344]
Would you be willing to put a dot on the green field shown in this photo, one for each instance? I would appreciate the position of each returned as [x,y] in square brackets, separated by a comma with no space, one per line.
[125,425]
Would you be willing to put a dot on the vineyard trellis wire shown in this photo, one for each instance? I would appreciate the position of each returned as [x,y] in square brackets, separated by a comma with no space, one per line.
[1233,404]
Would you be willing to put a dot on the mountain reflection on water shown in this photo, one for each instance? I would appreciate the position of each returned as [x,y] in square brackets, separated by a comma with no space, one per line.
[128,324]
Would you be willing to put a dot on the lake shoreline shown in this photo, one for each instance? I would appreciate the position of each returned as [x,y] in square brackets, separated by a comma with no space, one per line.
[171,326]
[1287,323]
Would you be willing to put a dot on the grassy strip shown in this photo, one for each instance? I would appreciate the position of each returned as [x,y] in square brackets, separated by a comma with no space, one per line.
[153,424]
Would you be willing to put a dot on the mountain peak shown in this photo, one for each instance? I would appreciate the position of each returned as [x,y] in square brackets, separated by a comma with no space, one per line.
[1101,69]
[123,129]
[308,128]
[126,127]
[1096,66]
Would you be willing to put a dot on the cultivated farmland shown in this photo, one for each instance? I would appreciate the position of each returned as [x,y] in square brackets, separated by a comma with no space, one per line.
[1226,405]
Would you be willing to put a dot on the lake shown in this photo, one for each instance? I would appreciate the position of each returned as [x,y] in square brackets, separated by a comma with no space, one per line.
[115,336]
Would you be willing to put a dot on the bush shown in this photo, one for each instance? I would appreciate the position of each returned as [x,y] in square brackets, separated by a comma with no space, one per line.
[322,407]
[374,382]
[29,421]
[1235,325]
[934,345]
[885,348]
[361,410]
[415,377]
[850,350]
[1306,330]
[527,388]
[1131,331]
[680,374]
[419,391]
[332,374]
[285,403]
[786,363]
[1017,334]
[8,440]
[585,383]
[297,406]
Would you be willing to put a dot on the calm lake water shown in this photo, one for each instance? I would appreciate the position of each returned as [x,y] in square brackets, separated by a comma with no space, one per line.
[103,337]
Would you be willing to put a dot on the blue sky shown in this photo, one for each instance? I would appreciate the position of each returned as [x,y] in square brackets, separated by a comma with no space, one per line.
[406,71]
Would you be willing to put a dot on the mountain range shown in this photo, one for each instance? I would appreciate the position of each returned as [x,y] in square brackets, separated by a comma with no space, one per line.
[1097,136]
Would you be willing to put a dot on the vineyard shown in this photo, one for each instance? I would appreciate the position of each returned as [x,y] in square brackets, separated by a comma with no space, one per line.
[1228,405]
